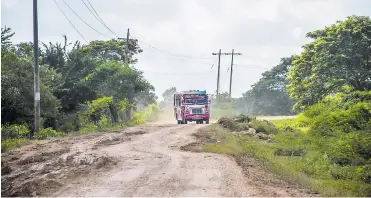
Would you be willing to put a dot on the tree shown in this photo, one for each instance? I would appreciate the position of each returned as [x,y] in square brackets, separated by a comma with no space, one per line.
[119,81]
[169,94]
[269,95]
[114,49]
[17,90]
[339,56]
[6,35]
[71,81]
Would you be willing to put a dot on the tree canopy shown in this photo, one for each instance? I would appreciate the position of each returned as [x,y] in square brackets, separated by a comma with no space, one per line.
[70,80]
[269,95]
[338,58]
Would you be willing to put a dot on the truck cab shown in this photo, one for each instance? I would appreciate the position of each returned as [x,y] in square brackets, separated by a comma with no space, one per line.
[192,106]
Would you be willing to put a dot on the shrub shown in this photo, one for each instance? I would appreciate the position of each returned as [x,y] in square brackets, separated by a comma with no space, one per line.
[47,133]
[265,127]
[104,123]
[228,123]
[68,123]
[89,127]
[366,174]
[243,118]
[148,114]
[289,152]
[152,112]
[12,143]
[14,131]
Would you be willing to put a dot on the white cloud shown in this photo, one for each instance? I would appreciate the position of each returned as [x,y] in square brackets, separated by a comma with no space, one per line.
[9,3]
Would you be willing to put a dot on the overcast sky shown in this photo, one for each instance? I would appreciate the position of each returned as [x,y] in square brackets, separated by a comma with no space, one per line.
[179,36]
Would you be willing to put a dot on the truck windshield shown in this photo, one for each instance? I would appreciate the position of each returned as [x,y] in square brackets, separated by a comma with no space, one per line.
[201,100]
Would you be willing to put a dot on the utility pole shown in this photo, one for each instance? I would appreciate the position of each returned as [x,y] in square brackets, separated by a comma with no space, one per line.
[36,70]
[127,47]
[218,77]
[231,75]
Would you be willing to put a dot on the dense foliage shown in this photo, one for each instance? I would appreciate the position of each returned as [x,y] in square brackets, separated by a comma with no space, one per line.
[328,145]
[335,135]
[81,85]
[269,95]
[338,58]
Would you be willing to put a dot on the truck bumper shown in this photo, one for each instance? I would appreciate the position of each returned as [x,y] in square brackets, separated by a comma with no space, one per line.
[194,117]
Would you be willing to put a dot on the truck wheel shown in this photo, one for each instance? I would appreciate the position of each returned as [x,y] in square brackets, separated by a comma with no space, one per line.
[185,121]
[179,122]
[207,121]
[201,122]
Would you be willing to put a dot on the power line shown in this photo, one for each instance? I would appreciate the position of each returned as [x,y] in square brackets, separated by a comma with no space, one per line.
[177,74]
[84,20]
[96,15]
[70,21]
[181,74]
[175,58]
[172,54]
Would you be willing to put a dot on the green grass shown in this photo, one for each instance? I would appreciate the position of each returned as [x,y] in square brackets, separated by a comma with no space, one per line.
[225,143]
[312,169]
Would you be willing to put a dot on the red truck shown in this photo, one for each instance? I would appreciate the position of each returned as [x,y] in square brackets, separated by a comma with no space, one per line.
[192,106]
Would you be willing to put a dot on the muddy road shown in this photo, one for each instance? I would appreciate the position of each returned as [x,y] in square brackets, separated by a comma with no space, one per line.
[138,161]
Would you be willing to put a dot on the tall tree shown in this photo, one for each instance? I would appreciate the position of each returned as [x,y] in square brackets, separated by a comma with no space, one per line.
[339,56]
[6,35]
[71,80]
[168,94]
[114,49]
[269,95]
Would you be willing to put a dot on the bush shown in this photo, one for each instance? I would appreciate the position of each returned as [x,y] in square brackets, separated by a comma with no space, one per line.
[14,131]
[47,133]
[265,127]
[12,143]
[366,174]
[89,127]
[228,123]
[289,152]
[243,118]
[104,123]
[148,114]
[152,112]
[68,123]
[343,128]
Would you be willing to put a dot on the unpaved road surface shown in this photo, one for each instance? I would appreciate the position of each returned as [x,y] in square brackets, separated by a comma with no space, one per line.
[138,161]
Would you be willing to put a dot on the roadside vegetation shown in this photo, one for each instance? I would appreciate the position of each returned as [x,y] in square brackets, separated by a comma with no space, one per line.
[84,88]
[327,147]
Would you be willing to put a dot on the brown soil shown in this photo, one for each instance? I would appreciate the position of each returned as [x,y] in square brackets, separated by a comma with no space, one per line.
[138,161]
[39,169]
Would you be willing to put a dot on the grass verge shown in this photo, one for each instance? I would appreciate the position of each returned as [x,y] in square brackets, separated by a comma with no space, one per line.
[285,156]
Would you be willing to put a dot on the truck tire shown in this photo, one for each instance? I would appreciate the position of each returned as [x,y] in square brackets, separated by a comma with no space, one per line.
[207,121]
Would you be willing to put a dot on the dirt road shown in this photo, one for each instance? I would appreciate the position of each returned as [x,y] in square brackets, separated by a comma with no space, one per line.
[139,161]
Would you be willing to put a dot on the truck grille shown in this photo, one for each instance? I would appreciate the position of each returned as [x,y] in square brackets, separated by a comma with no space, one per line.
[196,111]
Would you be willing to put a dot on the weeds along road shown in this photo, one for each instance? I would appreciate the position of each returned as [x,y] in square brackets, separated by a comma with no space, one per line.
[139,161]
